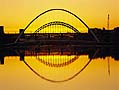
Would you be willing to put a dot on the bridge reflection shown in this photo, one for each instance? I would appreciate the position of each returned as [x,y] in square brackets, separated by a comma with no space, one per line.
[38,50]
[50,61]
[58,64]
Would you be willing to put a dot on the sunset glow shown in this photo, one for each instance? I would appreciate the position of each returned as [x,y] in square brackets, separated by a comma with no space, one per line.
[17,14]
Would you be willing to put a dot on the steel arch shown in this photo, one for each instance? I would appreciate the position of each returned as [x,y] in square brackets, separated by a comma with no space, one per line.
[47,12]
[57,23]
[70,78]
[58,65]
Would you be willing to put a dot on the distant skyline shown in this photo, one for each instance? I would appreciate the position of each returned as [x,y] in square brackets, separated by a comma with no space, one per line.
[16,14]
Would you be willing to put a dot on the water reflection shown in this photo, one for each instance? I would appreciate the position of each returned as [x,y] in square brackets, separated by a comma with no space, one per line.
[77,67]
[68,50]
[58,63]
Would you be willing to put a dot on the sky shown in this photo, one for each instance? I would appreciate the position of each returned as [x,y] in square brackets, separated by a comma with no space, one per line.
[16,14]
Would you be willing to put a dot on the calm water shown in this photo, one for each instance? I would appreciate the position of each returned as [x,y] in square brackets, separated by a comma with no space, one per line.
[59,71]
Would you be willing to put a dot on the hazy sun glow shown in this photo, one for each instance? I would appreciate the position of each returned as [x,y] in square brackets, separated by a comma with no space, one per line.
[17,14]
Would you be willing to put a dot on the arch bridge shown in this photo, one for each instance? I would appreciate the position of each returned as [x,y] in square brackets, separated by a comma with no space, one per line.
[55,23]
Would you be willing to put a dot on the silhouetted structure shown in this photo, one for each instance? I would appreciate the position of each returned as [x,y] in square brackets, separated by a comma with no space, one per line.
[97,43]
[105,36]
[57,50]
[61,42]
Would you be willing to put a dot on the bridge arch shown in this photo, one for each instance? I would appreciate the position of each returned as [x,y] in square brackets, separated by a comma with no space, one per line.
[67,79]
[50,11]
[58,64]
[57,23]
[57,81]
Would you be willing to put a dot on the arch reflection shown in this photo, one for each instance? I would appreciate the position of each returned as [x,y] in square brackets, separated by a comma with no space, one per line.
[58,68]
[57,64]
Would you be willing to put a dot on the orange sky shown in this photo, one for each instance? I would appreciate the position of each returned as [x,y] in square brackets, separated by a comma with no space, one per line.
[16,14]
